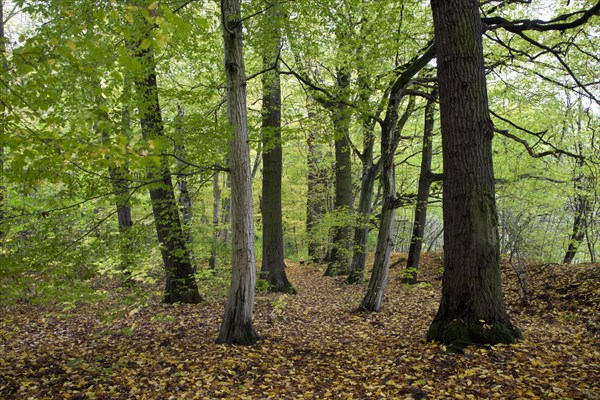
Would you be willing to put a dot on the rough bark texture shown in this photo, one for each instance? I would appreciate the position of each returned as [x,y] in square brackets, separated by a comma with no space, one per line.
[180,282]
[339,258]
[273,266]
[472,308]
[236,327]
[425,180]
[226,210]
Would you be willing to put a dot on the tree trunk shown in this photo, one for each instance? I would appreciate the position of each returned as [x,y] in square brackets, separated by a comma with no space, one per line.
[425,180]
[236,327]
[120,182]
[273,266]
[212,262]
[472,308]
[226,210]
[361,231]
[316,202]
[339,258]
[118,174]
[180,282]
[185,199]
[390,135]
[582,208]
[3,70]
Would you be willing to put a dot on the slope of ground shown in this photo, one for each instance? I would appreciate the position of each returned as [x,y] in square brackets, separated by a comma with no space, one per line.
[314,345]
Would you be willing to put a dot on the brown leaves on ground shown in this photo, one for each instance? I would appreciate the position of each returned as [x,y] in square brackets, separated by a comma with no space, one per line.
[315,345]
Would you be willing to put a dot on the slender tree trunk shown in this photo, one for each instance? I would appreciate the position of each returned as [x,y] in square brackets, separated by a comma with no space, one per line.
[361,231]
[185,199]
[390,136]
[339,258]
[3,71]
[582,208]
[472,308]
[236,327]
[119,175]
[316,202]
[180,282]
[273,266]
[212,262]
[120,181]
[425,180]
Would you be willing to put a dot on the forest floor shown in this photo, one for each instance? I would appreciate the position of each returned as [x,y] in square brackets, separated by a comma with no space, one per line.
[314,345]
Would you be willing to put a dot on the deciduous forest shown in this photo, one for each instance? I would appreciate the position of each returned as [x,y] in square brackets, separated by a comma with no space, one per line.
[383,199]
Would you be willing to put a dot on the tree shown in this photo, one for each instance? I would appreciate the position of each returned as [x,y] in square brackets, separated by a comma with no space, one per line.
[236,327]
[185,199]
[338,259]
[426,177]
[3,82]
[180,282]
[273,266]
[390,136]
[472,308]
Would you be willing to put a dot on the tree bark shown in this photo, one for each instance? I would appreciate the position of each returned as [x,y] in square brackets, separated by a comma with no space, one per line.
[339,258]
[472,308]
[316,202]
[425,180]
[390,136]
[212,262]
[185,199]
[581,209]
[273,265]
[3,70]
[370,171]
[236,327]
[180,282]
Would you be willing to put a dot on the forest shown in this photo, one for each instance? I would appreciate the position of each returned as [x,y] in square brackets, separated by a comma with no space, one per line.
[382,199]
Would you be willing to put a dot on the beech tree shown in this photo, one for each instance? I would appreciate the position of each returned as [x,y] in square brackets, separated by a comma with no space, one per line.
[3,83]
[273,266]
[180,282]
[426,178]
[236,327]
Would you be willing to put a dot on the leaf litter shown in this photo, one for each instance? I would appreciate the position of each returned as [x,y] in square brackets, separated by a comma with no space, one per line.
[314,345]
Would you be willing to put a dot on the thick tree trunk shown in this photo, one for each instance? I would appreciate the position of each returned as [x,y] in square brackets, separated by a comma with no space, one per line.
[236,327]
[273,266]
[339,258]
[180,282]
[472,308]
[316,201]
[390,136]
[212,262]
[425,180]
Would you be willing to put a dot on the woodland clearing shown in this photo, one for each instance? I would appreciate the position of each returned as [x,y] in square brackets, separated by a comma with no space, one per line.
[314,344]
